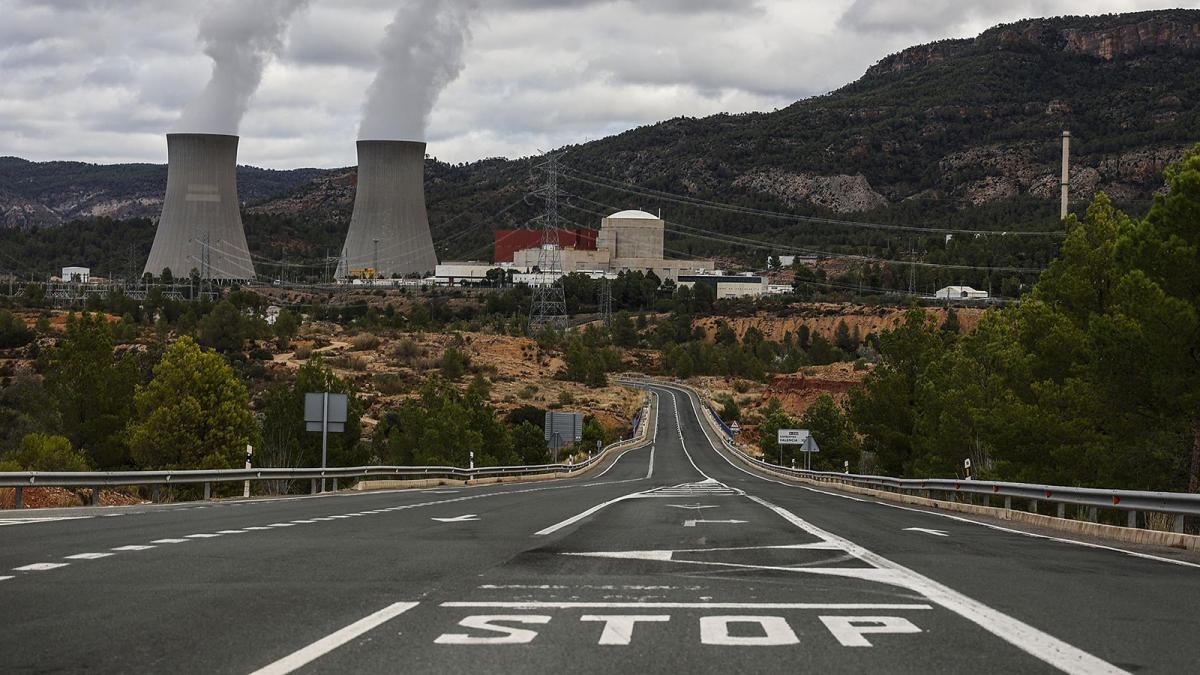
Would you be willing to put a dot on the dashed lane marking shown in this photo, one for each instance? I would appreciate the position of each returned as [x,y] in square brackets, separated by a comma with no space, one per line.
[39,567]
[133,547]
[5,578]
[170,541]
[34,521]
[231,531]
[202,535]
[87,556]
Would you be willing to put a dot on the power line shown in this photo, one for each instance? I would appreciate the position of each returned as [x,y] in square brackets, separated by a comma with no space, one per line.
[621,186]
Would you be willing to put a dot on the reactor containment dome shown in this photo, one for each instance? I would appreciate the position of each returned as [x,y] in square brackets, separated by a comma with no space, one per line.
[201,224]
[389,229]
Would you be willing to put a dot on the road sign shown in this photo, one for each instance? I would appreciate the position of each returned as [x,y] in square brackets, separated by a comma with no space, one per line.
[800,437]
[563,428]
[735,427]
[314,412]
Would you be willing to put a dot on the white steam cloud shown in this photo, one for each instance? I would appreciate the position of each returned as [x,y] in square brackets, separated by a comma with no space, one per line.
[421,53]
[240,36]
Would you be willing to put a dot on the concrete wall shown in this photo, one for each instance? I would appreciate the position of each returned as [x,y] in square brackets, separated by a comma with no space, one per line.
[631,237]
[389,206]
[201,204]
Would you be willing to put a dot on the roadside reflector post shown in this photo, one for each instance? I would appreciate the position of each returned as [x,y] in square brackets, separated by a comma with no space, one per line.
[95,498]
[1033,506]
[1062,510]
[207,491]
[246,483]
[314,486]
[335,482]
[1091,514]
[1007,503]
[1178,526]
[17,501]
[1132,519]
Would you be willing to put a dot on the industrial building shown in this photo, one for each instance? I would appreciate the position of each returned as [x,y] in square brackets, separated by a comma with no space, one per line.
[627,241]
[389,228]
[960,293]
[724,285]
[78,274]
[201,223]
[508,242]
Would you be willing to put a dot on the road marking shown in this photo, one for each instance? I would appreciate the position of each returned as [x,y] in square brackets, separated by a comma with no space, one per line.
[835,606]
[231,531]
[133,547]
[40,567]
[87,556]
[679,428]
[618,628]
[6,578]
[1028,639]
[936,533]
[692,523]
[650,469]
[580,516]
[512,636]
[458,519]
[714,630]
[694,506]
[286,524]
[316,650]
[849,630]
[202,536]
[33,521]
[170,541]
[256,528]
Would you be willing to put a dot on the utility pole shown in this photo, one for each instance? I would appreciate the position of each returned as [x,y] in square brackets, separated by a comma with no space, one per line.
[1065,184]
[549,305]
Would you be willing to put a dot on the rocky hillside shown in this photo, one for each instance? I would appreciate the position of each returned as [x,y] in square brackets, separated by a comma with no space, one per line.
[954,131]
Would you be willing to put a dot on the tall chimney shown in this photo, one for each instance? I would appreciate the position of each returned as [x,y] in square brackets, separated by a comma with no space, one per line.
[389,229]
[201,223]
[1066,172]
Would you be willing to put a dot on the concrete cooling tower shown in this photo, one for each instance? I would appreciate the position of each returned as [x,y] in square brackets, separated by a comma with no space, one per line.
[201,224]
[389,230]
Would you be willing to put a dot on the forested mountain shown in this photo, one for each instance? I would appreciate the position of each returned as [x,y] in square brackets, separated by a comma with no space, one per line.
[957,133]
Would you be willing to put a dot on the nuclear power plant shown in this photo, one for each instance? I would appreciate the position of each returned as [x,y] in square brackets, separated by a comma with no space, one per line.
[201,223]
[389,229]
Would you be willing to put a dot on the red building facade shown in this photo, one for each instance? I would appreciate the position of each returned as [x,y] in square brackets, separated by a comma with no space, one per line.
[509,242]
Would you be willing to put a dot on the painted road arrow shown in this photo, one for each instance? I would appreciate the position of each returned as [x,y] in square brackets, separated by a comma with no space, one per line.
[692,523]
[936,533]
[457,519]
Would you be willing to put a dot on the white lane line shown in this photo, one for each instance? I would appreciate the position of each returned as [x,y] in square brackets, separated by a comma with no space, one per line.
[202,536]
[6,578]
[1028,639]
[679,428]
[170,541]
[87,556]
[40,567]
[34,521]
[282,525]
[650,441]
[650,469]
[580,516]
[316,650]
[231,531]
[256,528]
[1000,528]
[133,547]
[848,606]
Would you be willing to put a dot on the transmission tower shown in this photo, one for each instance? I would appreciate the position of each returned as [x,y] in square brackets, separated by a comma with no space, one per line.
[549,305]
[606,300]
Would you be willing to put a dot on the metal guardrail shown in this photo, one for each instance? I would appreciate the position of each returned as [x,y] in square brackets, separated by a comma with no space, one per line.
[1131,502]
[96,479]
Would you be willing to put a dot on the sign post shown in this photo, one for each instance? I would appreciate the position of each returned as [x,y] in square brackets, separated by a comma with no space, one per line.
[325,412]
[246,485]
[802,438]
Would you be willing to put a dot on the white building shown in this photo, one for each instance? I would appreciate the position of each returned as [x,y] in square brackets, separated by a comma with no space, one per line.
[471,272]
[960,293]
[80,274]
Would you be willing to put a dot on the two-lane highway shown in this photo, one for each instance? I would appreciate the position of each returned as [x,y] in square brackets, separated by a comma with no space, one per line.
[671,558]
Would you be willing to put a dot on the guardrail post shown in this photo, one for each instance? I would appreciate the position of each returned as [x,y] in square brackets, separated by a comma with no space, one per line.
[1062,510]
[1132,519]
[1177,526]
[1007,503]
[155,491]
[207,491]
[1033,506]
[18,503]
[1091,514]
[314,486]
[335,482]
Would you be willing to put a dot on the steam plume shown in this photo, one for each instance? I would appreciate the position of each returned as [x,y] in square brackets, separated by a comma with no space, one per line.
[421,53]
[240,36]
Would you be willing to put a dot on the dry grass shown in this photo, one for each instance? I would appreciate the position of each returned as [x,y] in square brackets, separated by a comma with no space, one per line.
[364,342]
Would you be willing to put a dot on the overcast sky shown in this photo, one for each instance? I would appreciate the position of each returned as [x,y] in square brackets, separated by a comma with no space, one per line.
[103,80]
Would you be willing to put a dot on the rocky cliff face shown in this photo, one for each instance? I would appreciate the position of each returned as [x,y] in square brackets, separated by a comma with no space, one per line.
[840,194]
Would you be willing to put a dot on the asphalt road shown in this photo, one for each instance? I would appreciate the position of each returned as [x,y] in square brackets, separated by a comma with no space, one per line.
[671,558]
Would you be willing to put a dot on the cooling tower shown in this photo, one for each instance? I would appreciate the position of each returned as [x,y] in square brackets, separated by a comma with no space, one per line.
[389,231]
[201,224]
